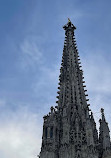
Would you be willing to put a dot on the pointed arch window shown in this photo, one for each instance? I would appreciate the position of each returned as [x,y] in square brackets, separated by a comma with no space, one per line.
[51,132]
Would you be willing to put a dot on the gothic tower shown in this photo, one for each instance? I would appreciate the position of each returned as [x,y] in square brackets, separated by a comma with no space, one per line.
[69,130]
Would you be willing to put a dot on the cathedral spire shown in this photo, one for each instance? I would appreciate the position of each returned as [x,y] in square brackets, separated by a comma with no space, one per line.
[71,91]
[69,130]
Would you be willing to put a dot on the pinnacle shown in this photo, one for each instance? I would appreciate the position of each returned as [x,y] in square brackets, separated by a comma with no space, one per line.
[102,113]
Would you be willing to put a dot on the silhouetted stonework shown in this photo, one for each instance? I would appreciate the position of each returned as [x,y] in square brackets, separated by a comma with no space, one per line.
[69,130]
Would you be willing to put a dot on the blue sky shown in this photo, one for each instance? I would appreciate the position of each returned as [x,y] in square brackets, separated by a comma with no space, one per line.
[31,47]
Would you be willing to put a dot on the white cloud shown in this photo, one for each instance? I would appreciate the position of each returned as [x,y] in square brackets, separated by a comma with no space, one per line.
[20,136]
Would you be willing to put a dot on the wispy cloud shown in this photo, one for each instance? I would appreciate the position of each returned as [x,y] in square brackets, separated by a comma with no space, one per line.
[47,81]
[30,53]
[20,136]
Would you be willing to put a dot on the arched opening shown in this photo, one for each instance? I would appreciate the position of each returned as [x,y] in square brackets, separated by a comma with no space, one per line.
[51,132]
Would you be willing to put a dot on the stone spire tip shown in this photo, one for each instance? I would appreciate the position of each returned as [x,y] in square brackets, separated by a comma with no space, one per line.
[69,24]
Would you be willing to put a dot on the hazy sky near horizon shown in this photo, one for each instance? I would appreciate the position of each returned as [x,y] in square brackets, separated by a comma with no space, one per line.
[31,47]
